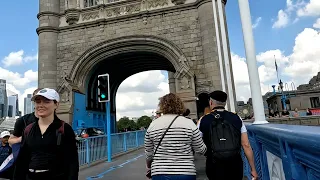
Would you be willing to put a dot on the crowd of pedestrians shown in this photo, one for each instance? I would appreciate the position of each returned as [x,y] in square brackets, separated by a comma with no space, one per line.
[47,148]
[172,140]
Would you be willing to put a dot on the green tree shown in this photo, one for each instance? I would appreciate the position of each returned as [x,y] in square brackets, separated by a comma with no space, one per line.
[126,123]
[144,121]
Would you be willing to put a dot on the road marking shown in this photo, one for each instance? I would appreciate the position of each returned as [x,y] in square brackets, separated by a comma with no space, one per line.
[99,176]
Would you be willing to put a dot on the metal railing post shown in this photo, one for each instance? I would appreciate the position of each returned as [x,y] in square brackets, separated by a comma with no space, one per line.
[87,152]
[137,140]
[124,142]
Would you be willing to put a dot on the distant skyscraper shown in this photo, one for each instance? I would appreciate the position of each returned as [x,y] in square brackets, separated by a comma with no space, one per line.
[17,110]
[12,101]
[3,99]
[10,111]
[28,105]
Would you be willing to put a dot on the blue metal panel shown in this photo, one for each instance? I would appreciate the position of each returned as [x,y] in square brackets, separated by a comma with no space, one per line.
[79,111]
[297,146]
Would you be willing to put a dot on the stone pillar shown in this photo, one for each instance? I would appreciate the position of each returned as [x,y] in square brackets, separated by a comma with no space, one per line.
[172,82]
[185,89]
[230,60]
[48,36]
[209,46]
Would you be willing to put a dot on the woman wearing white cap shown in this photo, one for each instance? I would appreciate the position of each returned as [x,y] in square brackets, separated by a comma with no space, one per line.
[48,148]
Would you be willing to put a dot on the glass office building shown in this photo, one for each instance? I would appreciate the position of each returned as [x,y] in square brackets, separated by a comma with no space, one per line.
[3,99]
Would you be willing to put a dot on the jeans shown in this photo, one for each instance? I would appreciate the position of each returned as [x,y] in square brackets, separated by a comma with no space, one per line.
[45,176]
[173,177]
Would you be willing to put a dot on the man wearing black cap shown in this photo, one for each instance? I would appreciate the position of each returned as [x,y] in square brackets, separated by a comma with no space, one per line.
[224,134]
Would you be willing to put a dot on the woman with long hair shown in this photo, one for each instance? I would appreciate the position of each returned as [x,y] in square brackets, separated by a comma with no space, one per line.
[48,150]
[170,141]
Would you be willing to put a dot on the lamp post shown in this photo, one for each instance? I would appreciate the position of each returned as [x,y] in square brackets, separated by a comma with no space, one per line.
[283,97]
[251,62]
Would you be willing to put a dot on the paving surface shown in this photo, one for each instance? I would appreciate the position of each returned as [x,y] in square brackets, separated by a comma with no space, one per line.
[129,166]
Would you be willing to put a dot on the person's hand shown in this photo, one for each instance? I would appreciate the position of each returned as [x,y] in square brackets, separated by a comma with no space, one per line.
[148,175]
[254,175]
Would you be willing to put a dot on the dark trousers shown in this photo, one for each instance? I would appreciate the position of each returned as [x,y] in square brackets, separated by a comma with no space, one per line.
[45,176]
[225,170]
[7,174]
[173,177]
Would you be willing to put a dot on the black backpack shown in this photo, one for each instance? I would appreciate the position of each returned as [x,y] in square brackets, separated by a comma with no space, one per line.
[224,137]
[59,132]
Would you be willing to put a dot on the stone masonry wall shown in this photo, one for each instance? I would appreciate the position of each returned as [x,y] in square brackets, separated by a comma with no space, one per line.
[182,27]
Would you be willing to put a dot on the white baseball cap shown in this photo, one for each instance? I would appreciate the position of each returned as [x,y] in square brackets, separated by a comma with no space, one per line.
[4,134]
[47,93]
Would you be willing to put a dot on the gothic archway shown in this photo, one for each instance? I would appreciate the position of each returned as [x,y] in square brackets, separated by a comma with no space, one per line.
[125,56]
[88,61]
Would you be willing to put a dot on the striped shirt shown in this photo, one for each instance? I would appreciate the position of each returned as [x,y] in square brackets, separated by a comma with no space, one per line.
[174,155]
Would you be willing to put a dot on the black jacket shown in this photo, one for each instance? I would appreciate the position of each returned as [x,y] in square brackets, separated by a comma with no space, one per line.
[41,152]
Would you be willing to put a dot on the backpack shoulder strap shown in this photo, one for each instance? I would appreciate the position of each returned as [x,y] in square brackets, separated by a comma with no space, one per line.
[61,129]
[217,116]
[27,130]
[60,132]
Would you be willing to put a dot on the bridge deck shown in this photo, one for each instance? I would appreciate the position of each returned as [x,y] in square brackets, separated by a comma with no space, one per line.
[130,165]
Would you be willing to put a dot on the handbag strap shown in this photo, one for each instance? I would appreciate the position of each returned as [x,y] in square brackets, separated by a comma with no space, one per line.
[165,134]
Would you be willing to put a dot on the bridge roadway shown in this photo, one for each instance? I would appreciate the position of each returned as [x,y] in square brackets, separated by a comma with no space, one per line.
[129,166]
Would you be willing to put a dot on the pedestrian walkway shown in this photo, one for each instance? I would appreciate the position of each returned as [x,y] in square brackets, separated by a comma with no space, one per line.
[129,166]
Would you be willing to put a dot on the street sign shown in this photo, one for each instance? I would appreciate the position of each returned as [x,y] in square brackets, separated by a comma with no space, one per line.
[103,88]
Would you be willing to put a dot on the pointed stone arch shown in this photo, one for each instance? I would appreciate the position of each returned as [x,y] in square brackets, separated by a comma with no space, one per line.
[184,84]
[91,57]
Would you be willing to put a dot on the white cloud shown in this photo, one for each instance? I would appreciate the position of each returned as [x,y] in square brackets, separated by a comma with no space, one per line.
[256,22]
[139,94]
[310,9]
[31,75]
[298,67]
[317,24]
[284,15]
[282,20]
[304,62]
[17,58]
[31,58]
[13,59]
[17,79]
[147,81]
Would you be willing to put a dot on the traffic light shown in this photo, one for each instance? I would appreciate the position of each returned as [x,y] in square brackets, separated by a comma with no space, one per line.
[103,88]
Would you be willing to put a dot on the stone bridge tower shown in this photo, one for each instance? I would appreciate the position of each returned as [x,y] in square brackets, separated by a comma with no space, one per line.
[80,39]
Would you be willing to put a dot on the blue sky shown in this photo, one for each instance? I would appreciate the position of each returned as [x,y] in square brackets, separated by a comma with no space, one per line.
[266,37]
[296,27]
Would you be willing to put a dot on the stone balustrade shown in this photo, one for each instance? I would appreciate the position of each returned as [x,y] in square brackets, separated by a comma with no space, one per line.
[304,120]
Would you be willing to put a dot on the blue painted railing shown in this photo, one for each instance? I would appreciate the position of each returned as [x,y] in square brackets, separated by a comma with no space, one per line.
[94,149]
[297,146]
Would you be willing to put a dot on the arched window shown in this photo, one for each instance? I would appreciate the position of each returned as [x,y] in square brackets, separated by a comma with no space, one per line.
[90,3]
